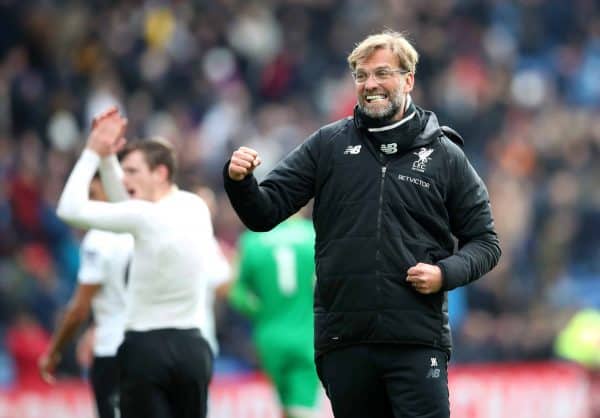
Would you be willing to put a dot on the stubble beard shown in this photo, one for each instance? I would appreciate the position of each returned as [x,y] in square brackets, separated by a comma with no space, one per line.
[386,113]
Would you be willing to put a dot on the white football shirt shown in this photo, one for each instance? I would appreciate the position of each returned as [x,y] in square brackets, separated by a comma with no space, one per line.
[174,251]
[104,260]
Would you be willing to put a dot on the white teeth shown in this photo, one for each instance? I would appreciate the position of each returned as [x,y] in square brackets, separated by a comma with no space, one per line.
[375,97]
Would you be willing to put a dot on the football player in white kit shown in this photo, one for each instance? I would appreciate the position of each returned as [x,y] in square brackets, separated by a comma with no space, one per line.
[101,286]
[165,363]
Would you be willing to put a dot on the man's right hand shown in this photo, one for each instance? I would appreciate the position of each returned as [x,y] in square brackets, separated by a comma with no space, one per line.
[243,162]
[47,365]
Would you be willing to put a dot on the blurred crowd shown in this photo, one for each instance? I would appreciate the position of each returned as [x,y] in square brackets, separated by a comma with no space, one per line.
[519,79]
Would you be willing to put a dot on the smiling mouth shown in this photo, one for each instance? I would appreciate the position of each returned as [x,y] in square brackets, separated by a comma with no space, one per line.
[371,98]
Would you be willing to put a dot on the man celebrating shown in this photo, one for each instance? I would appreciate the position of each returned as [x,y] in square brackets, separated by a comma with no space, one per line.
[391,190]
[165,363]
[102,280]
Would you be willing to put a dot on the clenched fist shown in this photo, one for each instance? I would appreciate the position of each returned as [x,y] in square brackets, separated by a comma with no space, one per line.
[425,278]
[243,162]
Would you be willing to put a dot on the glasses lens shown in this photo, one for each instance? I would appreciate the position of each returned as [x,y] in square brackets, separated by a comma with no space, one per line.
[360,76]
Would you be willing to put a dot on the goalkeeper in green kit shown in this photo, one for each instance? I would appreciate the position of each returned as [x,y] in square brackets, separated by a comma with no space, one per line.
[274,288]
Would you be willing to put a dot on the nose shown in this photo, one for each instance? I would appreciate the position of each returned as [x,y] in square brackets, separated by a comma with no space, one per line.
[370,82]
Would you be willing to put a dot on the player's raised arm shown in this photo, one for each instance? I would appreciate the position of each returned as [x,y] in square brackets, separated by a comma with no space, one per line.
[75,206]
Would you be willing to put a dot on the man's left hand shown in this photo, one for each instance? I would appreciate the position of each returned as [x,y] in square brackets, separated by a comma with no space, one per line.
[425,278]
[106,137]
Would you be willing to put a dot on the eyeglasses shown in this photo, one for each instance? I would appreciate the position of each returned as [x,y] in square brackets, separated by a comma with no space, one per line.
[381,74]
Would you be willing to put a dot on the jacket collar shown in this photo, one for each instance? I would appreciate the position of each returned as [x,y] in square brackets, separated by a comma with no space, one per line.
[425,122]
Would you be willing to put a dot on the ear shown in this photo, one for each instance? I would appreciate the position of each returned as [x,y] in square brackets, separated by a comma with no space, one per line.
[162,172]
[410,82]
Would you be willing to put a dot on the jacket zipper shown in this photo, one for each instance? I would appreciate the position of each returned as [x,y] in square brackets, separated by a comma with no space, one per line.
[383,170]
[379,215]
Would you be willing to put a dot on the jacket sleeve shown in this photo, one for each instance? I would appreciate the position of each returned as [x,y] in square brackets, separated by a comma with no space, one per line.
[472,224]
[286,189]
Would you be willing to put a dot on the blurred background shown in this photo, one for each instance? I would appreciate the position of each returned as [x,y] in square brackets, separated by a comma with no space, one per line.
[519,79]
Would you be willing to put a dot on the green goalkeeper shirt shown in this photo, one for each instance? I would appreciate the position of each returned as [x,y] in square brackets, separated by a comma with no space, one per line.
[275,282]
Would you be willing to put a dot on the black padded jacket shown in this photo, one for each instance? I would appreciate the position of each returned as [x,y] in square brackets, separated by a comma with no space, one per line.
[374,218]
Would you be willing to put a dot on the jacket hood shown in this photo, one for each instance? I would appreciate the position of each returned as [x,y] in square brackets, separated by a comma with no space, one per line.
[433,130]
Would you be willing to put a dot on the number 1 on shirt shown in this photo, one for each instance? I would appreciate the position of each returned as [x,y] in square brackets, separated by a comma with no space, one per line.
[286,270]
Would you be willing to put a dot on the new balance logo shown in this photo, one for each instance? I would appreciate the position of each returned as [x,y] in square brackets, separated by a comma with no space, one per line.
[433,372]
[389,148]
[353,150]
